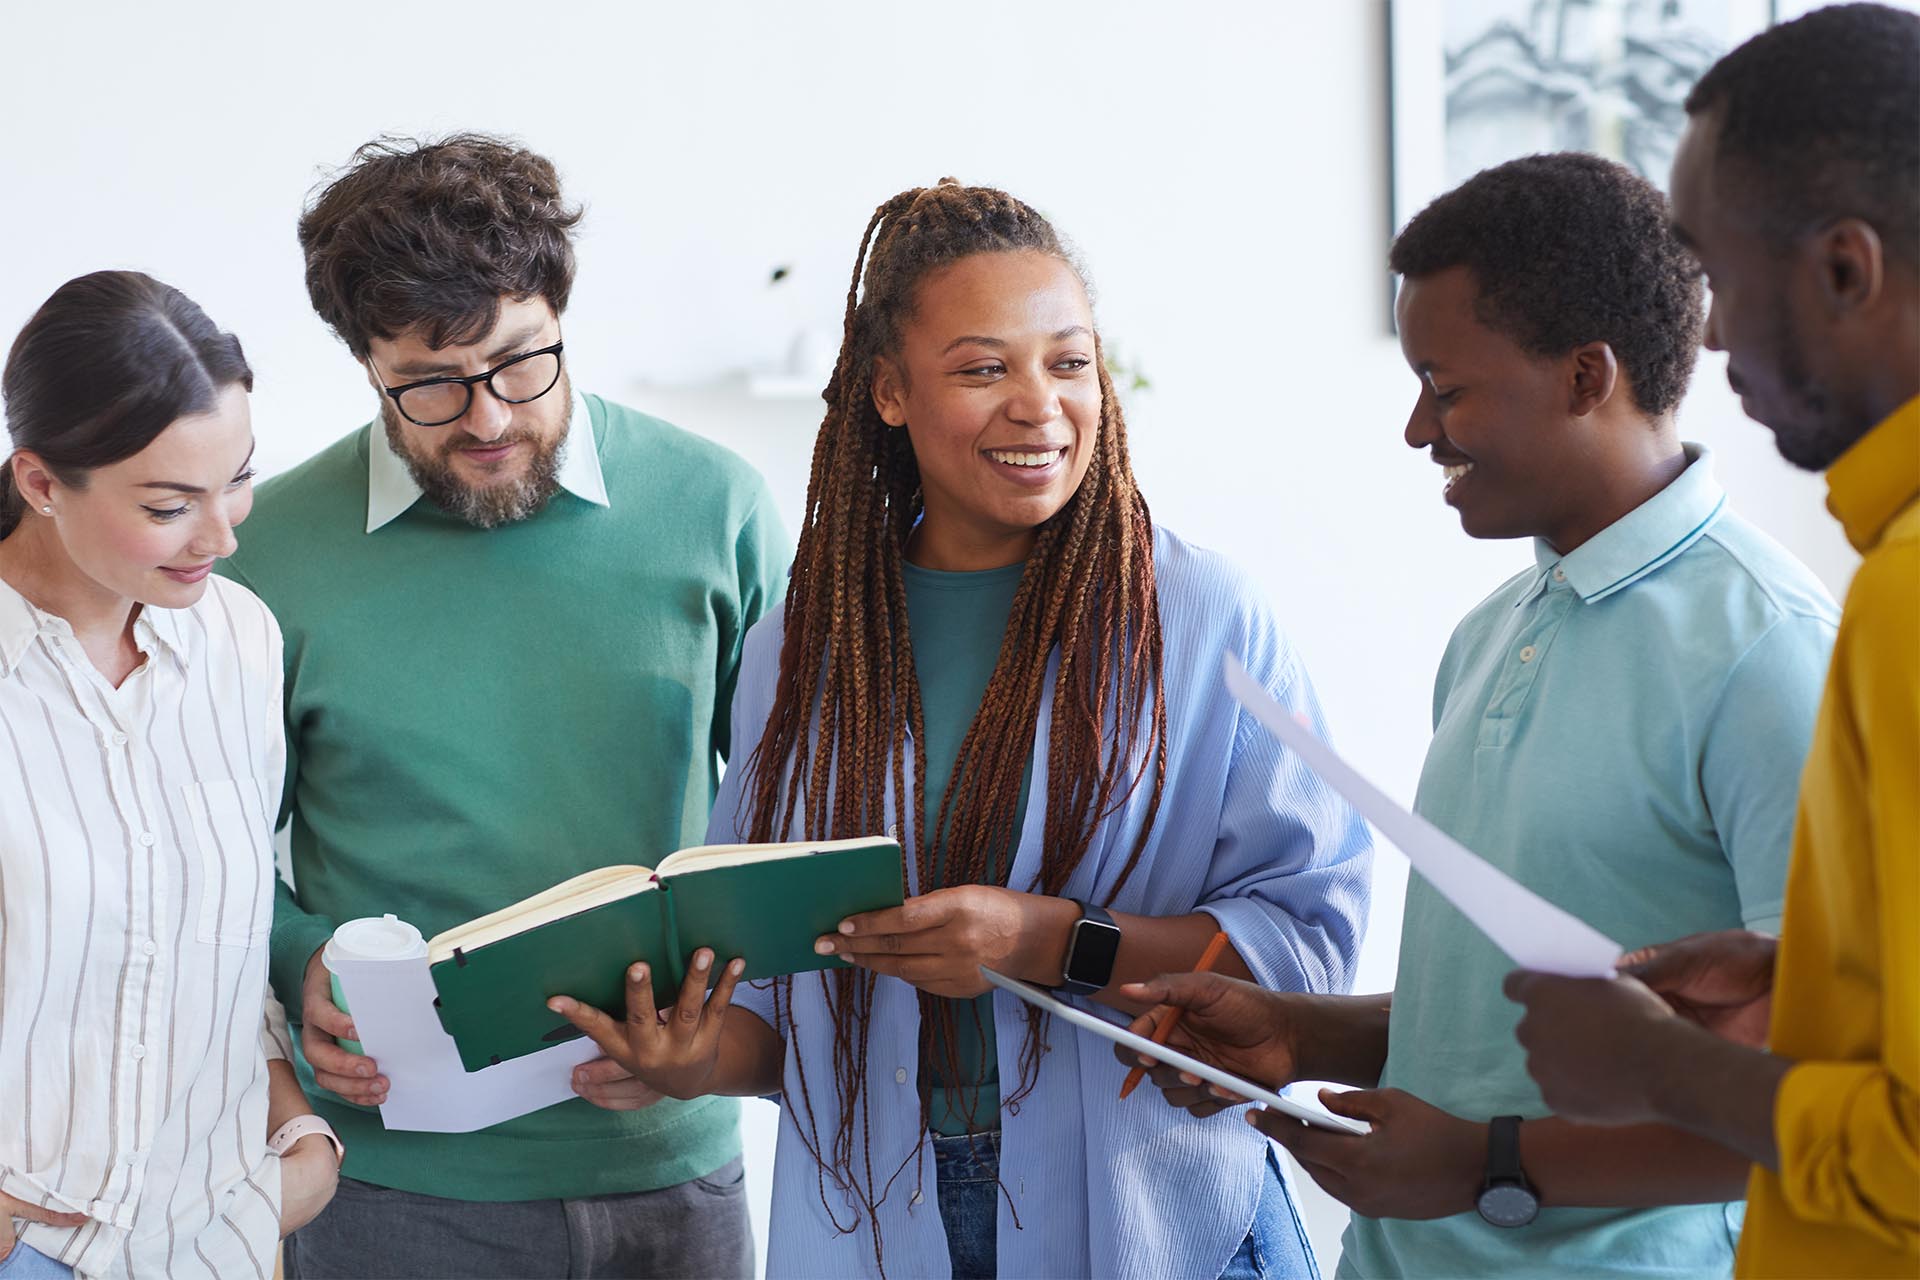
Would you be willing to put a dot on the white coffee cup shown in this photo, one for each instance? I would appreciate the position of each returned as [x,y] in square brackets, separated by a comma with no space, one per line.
[368,940]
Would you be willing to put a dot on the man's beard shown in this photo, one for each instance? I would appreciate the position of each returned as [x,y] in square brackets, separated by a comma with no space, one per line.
[489,506]
[1821,430]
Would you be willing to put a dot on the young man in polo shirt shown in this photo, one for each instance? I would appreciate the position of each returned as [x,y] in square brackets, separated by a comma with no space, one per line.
[1617,727]
[513,615]
[1797,182]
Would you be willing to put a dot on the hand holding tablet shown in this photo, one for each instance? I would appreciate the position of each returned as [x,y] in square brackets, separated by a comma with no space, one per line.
[1315,1116]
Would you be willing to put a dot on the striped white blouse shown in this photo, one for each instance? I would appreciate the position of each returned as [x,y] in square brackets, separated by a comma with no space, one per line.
[136,895]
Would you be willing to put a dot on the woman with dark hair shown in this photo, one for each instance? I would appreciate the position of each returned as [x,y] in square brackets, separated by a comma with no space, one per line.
[989,646]
[154,1123]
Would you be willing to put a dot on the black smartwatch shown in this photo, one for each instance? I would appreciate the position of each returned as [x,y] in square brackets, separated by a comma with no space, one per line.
[1506,1198]
[1092,946]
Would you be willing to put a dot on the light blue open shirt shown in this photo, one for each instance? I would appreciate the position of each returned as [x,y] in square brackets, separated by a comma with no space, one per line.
[1622,730]
[1100,1187]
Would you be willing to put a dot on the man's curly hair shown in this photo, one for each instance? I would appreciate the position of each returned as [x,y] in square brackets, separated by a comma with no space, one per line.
[1567,249]
[431,235]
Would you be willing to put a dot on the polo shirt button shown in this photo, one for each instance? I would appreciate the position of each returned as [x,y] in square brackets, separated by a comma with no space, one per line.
[1526,654]
[146,838]
[900,1075]
[1559,574]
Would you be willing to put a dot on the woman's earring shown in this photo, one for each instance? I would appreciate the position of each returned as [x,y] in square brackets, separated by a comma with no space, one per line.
[46,511]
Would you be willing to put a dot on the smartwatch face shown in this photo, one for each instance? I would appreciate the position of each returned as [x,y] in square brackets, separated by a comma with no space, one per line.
[1508,1205]
[1095,947]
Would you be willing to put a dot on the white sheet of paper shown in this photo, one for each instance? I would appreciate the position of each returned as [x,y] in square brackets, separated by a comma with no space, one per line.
[1315,1116]
[391,1002]
[1532,931]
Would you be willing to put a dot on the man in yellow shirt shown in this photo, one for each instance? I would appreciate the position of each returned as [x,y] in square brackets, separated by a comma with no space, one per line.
[1797,184]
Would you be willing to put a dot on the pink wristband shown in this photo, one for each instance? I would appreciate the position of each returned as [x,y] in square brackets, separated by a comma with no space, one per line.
[299,1127]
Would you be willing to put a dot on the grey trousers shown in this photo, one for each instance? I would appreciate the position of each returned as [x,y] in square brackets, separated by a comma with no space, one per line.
[698,1229]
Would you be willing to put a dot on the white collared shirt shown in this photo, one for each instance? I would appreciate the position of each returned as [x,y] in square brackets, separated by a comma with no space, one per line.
[136,897]
[391,488]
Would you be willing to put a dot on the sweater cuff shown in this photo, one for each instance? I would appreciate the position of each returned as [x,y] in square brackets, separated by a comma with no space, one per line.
[294,942]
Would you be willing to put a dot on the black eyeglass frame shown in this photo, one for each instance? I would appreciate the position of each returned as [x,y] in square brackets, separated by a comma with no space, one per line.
[394,393]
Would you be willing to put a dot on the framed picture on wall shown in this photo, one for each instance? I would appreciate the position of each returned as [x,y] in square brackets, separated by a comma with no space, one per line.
[1478,82]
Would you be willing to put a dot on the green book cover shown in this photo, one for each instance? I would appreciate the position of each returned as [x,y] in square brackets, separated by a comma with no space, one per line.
[763,903]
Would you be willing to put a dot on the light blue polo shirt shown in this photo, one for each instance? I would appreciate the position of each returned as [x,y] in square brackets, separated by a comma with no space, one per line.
[1622,730]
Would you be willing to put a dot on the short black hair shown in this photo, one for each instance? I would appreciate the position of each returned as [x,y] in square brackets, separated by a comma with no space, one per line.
[1820,119]
[1565,249]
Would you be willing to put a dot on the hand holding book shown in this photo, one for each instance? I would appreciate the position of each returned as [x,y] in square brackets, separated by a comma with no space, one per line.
[676,1051]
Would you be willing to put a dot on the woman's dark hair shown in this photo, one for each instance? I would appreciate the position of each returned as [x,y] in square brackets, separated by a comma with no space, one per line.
[431,235]
[106,364]
[847,722]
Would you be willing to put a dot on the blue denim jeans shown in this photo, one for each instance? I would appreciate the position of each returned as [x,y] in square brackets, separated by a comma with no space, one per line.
[1276,1244]
[967,1170]
[28,1263]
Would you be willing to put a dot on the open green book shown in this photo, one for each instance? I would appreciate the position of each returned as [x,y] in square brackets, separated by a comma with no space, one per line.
[765,903]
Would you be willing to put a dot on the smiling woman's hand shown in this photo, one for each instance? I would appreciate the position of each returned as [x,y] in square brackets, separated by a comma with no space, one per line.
[939,941]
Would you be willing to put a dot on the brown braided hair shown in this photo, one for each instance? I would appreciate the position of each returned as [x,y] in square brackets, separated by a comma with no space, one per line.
[846,656]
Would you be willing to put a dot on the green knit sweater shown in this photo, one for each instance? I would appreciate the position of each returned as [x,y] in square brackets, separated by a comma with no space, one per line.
[474,715]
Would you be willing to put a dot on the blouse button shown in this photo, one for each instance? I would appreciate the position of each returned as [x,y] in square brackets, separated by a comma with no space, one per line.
[900,1075]
[1526,654]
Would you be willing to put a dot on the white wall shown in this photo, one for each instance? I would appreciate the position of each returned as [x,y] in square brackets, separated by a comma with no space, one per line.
[1221,167]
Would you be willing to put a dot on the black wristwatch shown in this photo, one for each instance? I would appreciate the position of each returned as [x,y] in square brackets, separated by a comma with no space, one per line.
[1092,946]
[1506,1198]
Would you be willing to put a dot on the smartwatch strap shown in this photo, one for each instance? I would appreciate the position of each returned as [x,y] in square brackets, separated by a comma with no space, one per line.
[301,1126]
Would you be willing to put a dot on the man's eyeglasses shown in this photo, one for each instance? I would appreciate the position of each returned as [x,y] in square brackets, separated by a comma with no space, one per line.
[434,402]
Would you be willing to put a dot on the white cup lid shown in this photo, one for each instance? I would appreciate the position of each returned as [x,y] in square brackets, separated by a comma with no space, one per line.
[377,938]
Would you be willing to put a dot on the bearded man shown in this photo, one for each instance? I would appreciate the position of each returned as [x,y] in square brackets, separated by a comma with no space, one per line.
[513,616]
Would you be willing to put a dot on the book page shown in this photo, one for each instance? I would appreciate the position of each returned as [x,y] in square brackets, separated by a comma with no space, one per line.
[708,857]
[582,893]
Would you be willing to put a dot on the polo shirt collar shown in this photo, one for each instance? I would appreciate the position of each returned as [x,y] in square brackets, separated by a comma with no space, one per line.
[1647,537]
[21,622]
[391,489]
[1871,483]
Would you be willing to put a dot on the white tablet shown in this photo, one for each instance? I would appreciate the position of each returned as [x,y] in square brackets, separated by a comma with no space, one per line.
[1315,1116]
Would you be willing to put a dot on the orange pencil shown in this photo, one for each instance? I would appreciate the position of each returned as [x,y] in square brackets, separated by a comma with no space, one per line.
[1208,958]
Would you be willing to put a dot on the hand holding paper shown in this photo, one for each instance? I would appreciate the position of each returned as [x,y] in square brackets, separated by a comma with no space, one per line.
[1531,930]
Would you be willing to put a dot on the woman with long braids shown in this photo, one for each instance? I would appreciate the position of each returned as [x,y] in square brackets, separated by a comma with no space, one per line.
[989,649]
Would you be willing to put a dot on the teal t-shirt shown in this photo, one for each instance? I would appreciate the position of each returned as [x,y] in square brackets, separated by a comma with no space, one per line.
[1621,729]
[957,621]
[474,715]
